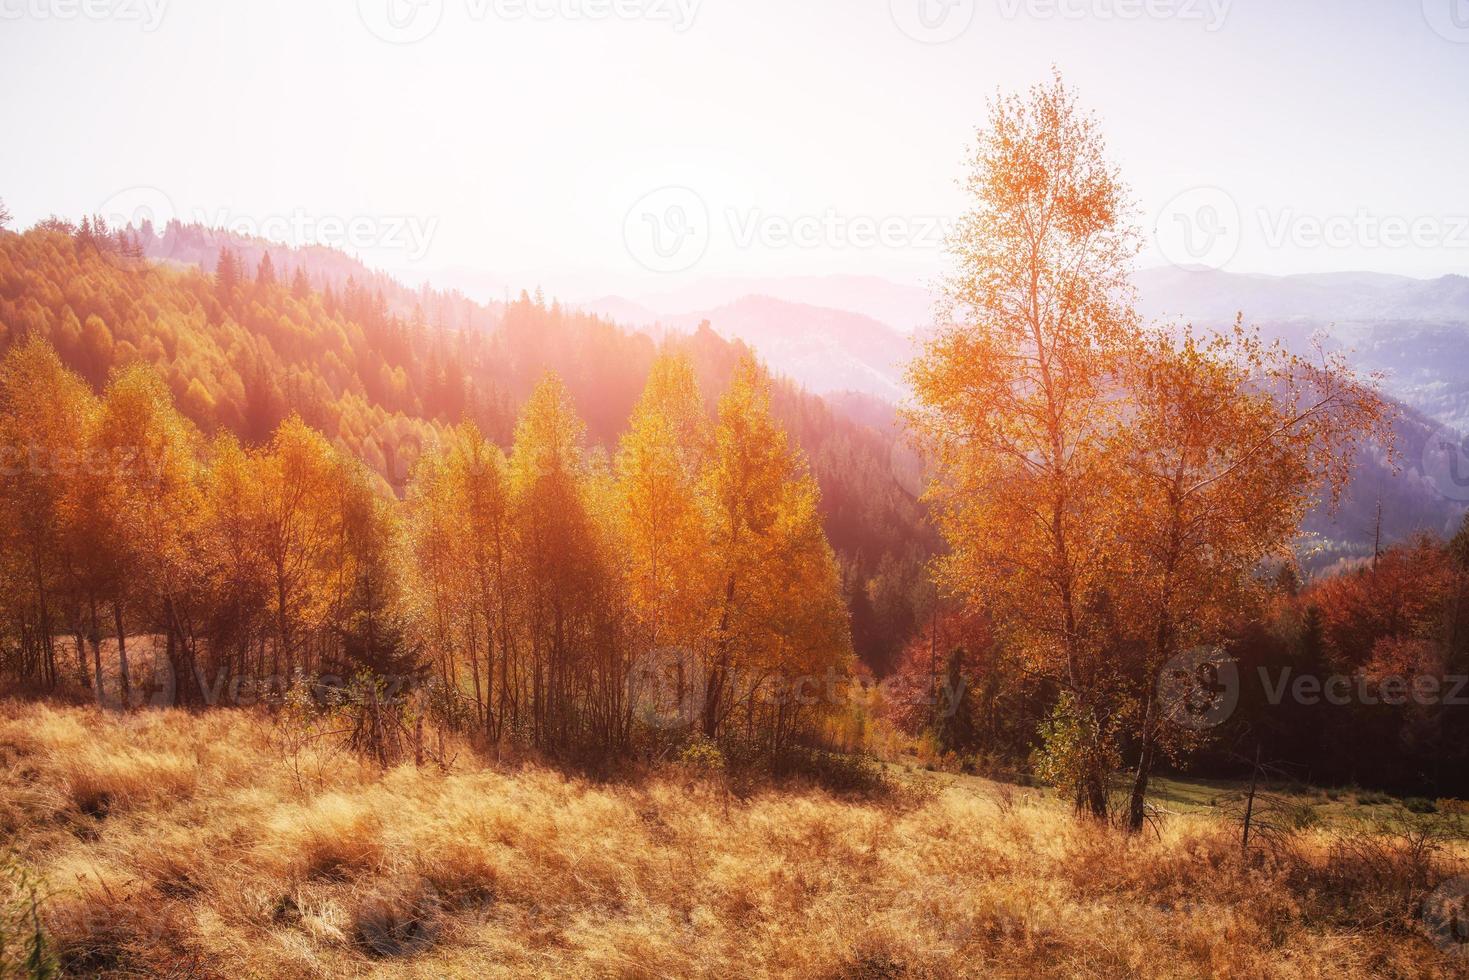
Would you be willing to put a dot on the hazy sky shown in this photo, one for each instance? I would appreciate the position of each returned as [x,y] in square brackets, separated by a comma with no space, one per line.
[632,145]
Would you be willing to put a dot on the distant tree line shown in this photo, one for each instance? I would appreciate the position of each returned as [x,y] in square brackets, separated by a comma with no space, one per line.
[552,595]
[261,332]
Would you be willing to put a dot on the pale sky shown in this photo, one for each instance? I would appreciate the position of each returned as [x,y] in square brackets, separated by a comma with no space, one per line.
[528,142]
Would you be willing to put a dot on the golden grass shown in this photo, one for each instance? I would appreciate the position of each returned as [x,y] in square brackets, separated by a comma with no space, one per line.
[220,853]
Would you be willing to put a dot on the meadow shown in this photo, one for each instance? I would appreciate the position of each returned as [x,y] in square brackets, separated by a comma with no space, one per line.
[227,844]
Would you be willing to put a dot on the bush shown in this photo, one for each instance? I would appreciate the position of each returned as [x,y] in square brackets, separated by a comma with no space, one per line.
[1303,817]
[1417,804]
[1076,755]
[702,757]
[845,773]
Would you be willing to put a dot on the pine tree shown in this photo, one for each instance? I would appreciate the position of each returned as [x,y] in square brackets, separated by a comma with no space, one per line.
[265,271]
[300,286]
[226,276]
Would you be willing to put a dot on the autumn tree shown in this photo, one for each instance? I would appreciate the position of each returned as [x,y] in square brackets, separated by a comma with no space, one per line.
[464,566]
[233,545]
[154,456]
[45,415]
[300,535]
[663,520]
[777,620]
[1015,397]
[560,562]
[96,552]
[1226,445]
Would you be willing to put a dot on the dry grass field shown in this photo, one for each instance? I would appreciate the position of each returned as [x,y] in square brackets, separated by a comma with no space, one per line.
[212,846]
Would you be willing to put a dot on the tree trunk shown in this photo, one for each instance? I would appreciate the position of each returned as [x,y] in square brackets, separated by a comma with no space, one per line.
[1136,805]
[81,642]
[1250,800]
[96,638]
[122,654]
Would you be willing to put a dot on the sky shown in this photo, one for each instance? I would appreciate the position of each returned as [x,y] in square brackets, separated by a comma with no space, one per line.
[633,146]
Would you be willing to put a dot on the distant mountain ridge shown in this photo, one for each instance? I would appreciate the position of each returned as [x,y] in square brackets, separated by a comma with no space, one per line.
[1414,331]
[824,349]
[1342,297]
[903,307]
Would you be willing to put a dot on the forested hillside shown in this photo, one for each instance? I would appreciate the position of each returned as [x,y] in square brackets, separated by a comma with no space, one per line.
[246,344]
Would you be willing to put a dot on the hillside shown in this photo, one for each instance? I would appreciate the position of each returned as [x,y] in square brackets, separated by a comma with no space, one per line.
[244,348]
[221,845]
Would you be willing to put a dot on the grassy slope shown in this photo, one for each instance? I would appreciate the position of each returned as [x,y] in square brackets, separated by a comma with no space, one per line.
[208,846]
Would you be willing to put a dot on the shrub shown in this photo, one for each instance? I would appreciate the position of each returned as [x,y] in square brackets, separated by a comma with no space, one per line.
[1075,754]
[702,757]
[838,772]
[1417,804]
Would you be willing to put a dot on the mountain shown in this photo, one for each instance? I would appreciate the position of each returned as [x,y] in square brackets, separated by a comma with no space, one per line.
[325,268]
[905,308]
[1406,499]
[1414,331]
[1343,297]
[821,348]
[242,345]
